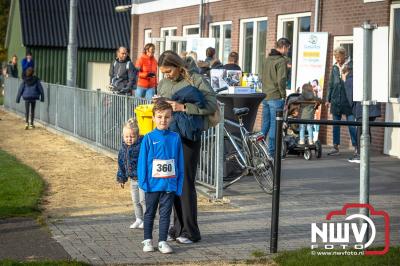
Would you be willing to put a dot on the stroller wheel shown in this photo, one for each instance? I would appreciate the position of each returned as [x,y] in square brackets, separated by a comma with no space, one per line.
[318,149]
[307,154]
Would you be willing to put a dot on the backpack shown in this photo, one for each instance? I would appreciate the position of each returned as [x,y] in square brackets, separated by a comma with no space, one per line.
[215,118]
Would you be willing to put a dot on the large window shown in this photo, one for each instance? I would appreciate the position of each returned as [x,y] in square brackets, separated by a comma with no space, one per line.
[395,51]
[253,40]
[289,27]
[221,31]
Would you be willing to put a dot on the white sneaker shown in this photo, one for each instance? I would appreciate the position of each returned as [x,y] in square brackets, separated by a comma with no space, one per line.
[141,225]
[183,240]
[164,248]
[301,142]
[310,142]
[170,238]
[137,224]
[148,245]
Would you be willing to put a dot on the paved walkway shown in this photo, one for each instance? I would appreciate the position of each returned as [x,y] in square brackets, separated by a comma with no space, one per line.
[309,190]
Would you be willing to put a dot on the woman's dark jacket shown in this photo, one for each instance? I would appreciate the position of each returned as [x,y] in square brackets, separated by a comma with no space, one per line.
[30,90]
[337,94]
[186,125]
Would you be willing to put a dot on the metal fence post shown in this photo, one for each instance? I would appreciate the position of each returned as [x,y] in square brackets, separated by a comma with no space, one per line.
[277,183]
[365,138]
[126,107]
[219,134]
[98,103]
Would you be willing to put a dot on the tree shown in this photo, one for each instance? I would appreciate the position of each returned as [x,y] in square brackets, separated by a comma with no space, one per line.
[4,11]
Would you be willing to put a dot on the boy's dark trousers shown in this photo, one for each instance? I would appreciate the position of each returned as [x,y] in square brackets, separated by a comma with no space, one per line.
[153,199]
[32,105]
[185,206]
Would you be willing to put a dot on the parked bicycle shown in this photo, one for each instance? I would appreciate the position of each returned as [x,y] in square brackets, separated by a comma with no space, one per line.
[250,153]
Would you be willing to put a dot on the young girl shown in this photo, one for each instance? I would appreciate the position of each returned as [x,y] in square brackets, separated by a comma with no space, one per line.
[30,90]
[127,168]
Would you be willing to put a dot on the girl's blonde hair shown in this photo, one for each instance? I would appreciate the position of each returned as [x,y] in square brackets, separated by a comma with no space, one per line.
[132,124]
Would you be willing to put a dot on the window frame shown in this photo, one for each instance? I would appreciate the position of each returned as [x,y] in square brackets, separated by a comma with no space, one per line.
[186,27]
[391,40]
[295,18]
[241,40]
[338,40]
[147,36]
[221,36]
[169,29]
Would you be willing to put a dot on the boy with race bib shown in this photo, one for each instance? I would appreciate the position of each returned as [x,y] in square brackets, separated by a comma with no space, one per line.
[160,173]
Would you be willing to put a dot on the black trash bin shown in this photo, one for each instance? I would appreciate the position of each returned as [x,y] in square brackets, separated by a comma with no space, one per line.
[252,101]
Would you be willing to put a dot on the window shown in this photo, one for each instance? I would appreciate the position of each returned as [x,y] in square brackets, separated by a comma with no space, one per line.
[289,27]
[191,30]
[221,31]
[169,31]
[253,40]
[394,49]
[147,37]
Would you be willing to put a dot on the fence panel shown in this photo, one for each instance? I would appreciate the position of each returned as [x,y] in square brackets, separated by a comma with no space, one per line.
[98,117]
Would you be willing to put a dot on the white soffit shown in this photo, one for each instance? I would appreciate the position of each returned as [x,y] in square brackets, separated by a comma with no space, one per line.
[161,5]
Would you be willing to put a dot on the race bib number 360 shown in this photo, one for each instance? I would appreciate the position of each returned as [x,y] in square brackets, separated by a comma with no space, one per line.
[163,168]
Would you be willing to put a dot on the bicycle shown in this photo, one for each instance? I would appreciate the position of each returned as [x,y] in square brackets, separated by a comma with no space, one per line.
[252,156]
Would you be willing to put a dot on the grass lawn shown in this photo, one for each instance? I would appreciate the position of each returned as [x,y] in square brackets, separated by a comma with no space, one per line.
[304,257]
[20,188]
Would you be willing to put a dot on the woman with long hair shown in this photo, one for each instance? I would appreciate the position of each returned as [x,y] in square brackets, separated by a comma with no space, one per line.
[176,78]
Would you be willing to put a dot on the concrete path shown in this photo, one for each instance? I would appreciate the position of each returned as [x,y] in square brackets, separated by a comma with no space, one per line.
[309,191]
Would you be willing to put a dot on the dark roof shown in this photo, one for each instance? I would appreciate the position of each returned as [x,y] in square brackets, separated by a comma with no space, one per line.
[45,23]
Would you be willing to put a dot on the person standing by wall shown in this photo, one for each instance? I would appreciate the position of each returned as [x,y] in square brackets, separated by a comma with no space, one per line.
[177,78]
[122,73]
[12,67]
[30,90]
[337,100]
[274,79]
[233,59]
[147,66]
[27,62]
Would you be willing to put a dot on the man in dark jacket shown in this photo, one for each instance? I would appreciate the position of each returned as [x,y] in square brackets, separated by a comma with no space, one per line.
[337,99]
[122,73]
[12,67]
[274,77]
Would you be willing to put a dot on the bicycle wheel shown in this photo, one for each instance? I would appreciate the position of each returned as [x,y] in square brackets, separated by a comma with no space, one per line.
[263,169]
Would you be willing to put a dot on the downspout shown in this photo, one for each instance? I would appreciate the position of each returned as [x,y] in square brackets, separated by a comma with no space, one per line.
[201,15]
[316,15]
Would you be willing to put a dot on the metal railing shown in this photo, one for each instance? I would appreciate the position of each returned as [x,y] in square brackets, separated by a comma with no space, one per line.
[97,118]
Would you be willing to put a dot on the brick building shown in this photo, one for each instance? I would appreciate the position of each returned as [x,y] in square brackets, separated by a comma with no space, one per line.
[251,28]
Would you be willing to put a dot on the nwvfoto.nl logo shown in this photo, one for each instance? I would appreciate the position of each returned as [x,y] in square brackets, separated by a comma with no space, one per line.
[336,235]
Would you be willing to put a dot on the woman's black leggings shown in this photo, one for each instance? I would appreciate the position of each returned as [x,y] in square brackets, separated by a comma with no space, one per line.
[32,104]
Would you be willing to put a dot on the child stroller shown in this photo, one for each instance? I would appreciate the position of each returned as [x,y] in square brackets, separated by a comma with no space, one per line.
[290,134]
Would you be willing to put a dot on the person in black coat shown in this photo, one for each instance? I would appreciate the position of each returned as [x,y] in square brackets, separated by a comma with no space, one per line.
[374,110]
[233,59]
[12,67]
[30,90]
